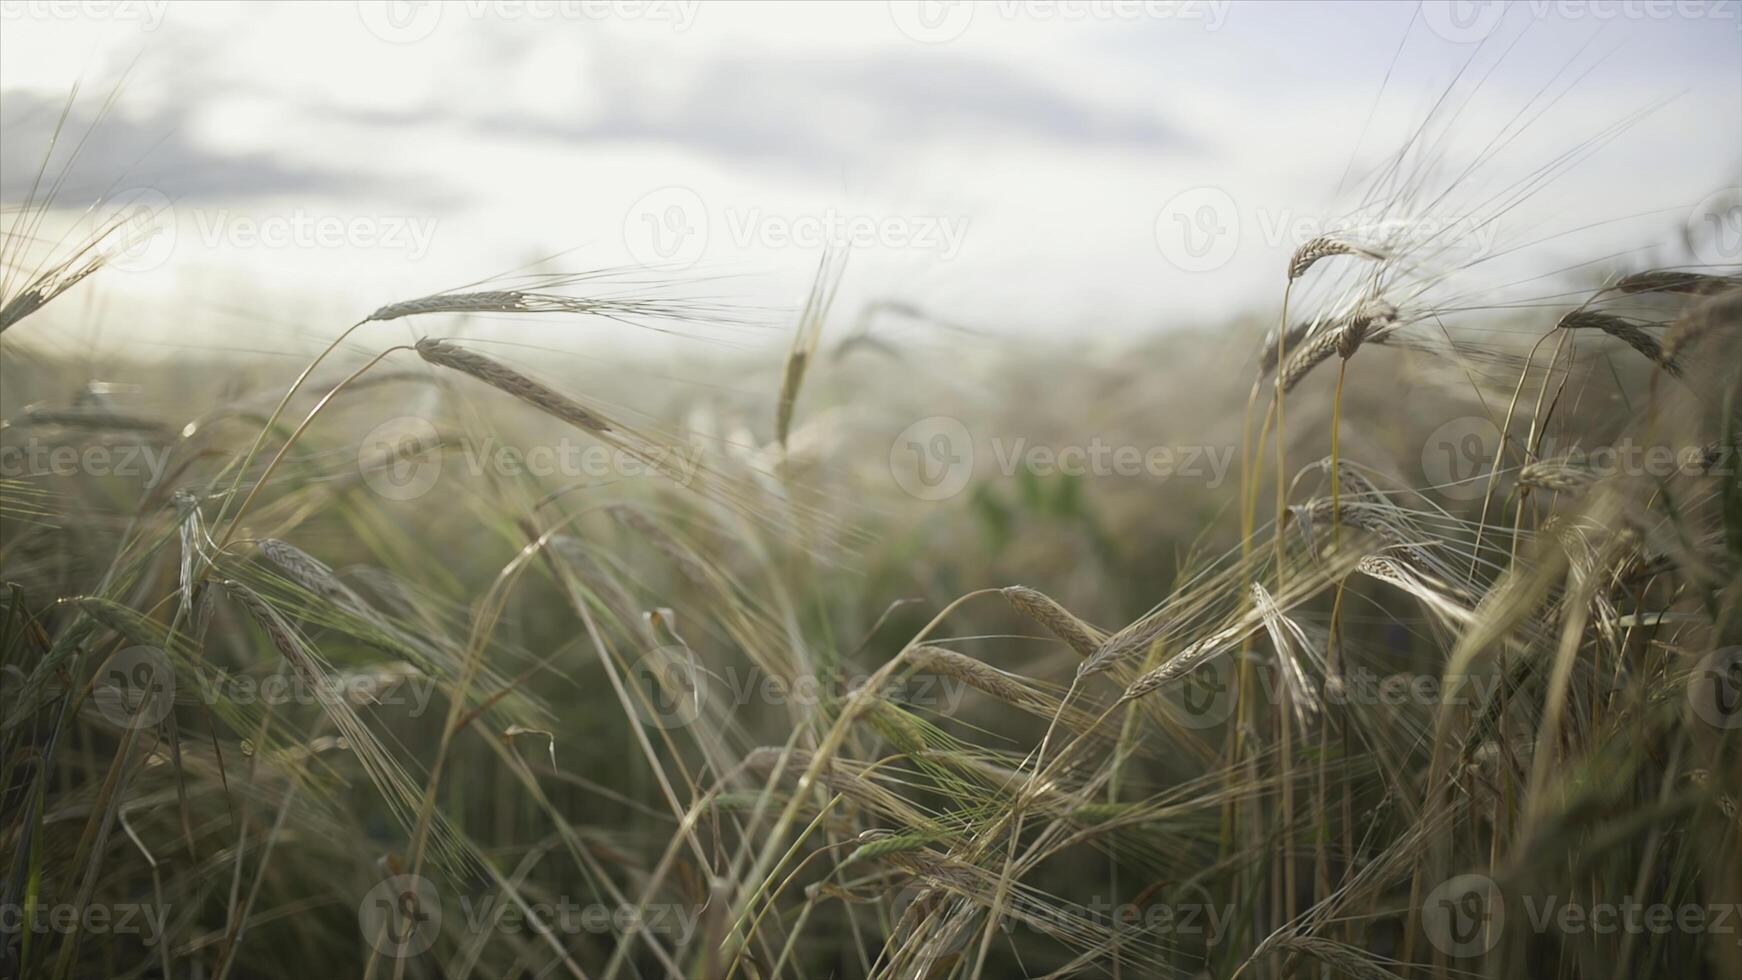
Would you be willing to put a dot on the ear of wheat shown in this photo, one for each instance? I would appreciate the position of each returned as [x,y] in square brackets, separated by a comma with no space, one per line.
[1323,247]
[1560,475]
[1670,281]
[1043,609]
[504,378]
[1371,319]
[1186,661]
[1625,331]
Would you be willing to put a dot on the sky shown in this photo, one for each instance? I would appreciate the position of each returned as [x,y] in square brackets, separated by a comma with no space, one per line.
[1012,167]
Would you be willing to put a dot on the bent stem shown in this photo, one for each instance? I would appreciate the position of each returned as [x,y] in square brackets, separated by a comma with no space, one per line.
[272,419]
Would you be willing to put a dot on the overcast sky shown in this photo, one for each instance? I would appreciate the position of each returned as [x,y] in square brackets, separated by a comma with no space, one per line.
[1012,166]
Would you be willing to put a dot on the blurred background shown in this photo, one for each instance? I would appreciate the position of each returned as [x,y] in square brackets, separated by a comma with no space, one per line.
[1014,167]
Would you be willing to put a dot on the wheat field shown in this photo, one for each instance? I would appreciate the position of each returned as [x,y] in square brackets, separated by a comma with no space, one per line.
[1387,629]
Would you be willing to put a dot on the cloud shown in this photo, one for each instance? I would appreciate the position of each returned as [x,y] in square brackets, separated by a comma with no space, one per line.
[821,113]
[119,151]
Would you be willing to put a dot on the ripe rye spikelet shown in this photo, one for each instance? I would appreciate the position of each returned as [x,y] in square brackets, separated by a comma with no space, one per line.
[1625,331]
[523,301]
[975,673]
[1323,247]
[1371,318]
[1559,475]
[490,301]
[1041,608]
[1290,341]
[1344,960]
[1184,662]
[1123,645]
[1669,281]
[305,569]
[504,378]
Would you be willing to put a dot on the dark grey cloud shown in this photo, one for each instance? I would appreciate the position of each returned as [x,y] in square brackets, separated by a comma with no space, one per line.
[819,113]
[120,151]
